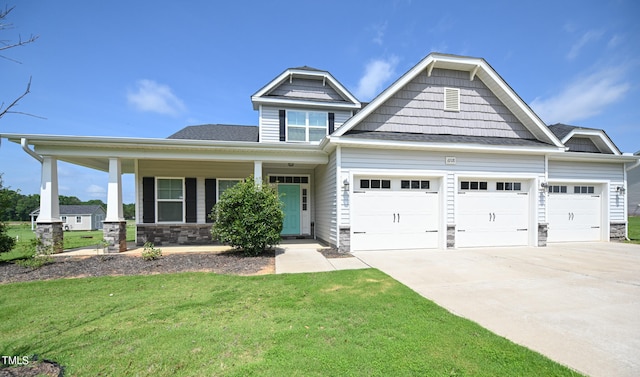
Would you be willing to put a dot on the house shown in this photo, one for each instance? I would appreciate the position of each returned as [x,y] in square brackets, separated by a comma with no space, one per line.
[77,217]
[448,156]
[633,177]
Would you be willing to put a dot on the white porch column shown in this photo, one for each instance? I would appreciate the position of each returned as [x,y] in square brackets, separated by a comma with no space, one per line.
[257,172]
[49,204]
[114,191]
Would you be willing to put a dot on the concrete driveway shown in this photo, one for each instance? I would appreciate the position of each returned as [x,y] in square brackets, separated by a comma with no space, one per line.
[578,303]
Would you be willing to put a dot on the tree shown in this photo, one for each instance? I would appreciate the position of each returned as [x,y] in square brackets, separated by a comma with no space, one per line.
[6,45]
[248,217]
[6,242]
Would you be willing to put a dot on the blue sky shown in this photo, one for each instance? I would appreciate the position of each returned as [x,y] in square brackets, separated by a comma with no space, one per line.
[149,68]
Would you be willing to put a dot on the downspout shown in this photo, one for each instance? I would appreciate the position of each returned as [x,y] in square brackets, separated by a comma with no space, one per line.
[25,146]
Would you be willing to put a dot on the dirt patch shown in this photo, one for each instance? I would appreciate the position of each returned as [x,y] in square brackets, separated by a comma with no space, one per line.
[330,252]
[231,263]
[40,368]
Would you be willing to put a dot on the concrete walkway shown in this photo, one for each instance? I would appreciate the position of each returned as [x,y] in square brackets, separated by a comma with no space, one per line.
[578,304]
[297,256]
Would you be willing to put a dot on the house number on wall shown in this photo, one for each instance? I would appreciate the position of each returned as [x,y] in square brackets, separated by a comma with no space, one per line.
[450,160]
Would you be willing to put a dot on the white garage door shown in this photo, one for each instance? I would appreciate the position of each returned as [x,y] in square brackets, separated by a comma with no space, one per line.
[394,220]
[574,217]
[492,219]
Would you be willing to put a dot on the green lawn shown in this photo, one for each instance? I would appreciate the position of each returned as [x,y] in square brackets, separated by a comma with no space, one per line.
[197,324]
[72,239]
[634,229]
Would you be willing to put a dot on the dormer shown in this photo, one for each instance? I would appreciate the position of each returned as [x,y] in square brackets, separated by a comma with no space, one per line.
[584,140]
[302,105]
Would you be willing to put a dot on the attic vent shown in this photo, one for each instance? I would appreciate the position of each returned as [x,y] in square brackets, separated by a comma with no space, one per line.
[452,99]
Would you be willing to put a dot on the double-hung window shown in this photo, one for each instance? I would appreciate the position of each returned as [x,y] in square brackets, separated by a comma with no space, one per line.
[306,125]
[224,184]
[170,200]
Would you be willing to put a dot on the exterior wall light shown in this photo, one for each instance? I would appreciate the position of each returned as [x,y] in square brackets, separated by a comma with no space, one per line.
[345,184]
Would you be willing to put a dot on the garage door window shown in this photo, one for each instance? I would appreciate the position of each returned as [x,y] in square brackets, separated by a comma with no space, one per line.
[583,189]
[558,189]
[375,184]
[508,186]
[414,185]
[473,185]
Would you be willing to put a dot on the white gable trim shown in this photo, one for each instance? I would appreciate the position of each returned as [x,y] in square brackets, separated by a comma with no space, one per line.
[477,68]
[327,78]
[598,137]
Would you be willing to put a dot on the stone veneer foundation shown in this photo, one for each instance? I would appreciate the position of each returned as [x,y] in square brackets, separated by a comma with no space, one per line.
[177,234]
[451,236]
[115,235]
[50,237]
[543,232]
[617,231]
[345,239]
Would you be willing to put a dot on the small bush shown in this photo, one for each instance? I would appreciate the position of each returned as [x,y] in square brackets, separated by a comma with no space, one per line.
[248,217]
[151,252]
[6,241]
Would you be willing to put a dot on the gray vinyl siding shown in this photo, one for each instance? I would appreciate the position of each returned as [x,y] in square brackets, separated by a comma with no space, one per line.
[419,108]
[466,163]
[596,171]
[633,191]
[185,169]
[270,121]
[313,90]
[326,201]
[581,144]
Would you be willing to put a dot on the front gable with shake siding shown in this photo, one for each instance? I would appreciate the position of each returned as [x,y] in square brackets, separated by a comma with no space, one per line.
[448,156]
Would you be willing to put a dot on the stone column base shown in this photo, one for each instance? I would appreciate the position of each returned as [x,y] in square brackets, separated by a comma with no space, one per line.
[50,238]
[617,231]
[345,239]
[543,231]
[115,235]
[451,236]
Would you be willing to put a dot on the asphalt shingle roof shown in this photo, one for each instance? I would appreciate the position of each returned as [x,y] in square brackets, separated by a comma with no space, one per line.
[431,138]
[221,132]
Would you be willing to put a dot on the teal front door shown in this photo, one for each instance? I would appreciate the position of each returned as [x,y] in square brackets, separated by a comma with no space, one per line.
[290,197]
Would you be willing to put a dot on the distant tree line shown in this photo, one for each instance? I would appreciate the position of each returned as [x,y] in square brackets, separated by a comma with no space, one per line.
[17,207]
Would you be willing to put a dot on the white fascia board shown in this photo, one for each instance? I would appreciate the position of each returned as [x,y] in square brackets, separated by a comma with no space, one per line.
[257,98]
[302,103]
[591,157]
[598,137]
[459,147]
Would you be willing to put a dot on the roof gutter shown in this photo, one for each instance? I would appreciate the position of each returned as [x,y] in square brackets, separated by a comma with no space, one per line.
[633,166]
[24,142]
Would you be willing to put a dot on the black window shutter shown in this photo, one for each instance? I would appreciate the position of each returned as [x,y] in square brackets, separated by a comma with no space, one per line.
[148,200]
[209,197]
[283,125]
[332,122]
[191,200]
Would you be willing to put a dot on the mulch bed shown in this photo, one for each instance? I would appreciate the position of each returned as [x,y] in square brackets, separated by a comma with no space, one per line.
[230,263]
[34,369]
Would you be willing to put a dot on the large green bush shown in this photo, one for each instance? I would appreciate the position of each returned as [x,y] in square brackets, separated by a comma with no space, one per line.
[6,242]
[248,217]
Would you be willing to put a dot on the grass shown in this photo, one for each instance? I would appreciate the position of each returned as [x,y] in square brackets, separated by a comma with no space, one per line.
[338,323]
[72,239]
[634,229]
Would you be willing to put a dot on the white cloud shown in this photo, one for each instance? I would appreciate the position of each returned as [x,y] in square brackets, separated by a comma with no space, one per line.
[379,32]
[591,35]
[583,98]
[377,73]
[97,192]
[156,98]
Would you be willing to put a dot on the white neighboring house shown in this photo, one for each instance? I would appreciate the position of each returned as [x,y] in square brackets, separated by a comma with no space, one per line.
[77,217]
[633,182]
[448,156]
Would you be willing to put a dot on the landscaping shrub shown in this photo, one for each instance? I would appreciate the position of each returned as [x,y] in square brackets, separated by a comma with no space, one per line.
[151,252]
[248,217]
[6,241]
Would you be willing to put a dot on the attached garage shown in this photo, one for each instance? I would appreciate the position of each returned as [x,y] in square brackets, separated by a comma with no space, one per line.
[575,213]
[492,213]
[395,214]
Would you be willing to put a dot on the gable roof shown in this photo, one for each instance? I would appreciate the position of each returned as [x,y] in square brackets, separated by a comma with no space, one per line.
[477,68]
[75,210]
[222,132]
[598,137]
[262,96]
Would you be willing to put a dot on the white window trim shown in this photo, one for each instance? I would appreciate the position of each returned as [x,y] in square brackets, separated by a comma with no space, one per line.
[306,126]
[225,179]
[78,219]
[184,209]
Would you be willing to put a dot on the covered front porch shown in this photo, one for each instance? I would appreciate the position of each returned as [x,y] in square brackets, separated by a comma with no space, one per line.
[177,182]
